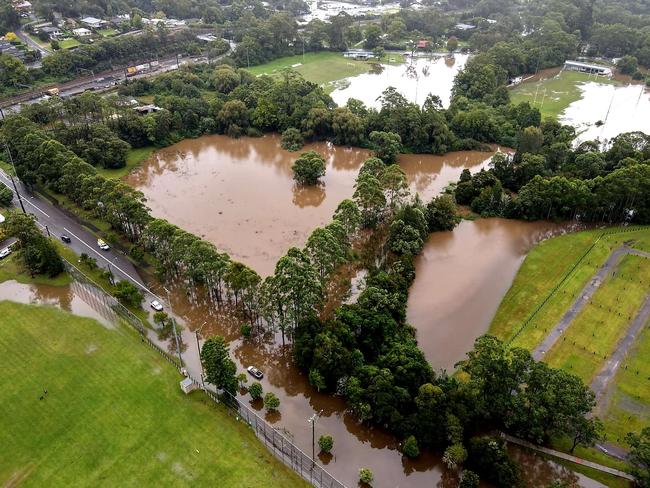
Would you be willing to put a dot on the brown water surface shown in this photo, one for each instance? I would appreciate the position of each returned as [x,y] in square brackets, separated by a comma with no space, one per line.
[461,277]
[72,298]
[240,195]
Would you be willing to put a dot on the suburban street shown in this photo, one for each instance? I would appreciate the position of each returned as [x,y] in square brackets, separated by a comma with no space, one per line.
[82,240]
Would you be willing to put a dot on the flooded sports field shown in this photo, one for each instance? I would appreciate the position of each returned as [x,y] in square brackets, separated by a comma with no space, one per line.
[415,80]
[604,111]
[240,194]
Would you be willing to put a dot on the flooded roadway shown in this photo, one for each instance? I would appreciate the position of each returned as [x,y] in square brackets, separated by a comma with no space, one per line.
[240,195]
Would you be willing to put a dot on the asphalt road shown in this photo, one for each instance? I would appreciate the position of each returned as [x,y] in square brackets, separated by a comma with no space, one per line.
[82,240]
[31,43]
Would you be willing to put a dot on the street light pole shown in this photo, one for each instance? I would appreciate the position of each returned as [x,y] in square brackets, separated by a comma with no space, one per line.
[312,421]
[171,315]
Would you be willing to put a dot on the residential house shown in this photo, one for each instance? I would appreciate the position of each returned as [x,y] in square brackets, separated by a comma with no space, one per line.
[93,22]
[81,32]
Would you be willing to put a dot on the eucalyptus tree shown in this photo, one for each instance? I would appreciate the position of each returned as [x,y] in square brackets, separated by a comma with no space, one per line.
[349,216]
[393,181]
[297,290]
[370,199]
[325,251]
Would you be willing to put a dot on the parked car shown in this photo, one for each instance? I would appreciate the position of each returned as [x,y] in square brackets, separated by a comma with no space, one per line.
[157,306]
[5,252]
[102,245]
[255,373]
[66,239]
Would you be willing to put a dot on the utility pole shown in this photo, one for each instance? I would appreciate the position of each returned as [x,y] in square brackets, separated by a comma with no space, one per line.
[198,348]
[11,160]
[312,420]
[171,316]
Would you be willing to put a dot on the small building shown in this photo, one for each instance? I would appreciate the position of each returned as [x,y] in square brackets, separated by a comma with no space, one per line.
[147,109]
[188,386]
[594,69]
[464,27]
[360,55]
[207,37]
[53,32]
[93,22]
[22,6]
[9,49]
[423,44]
[81,32]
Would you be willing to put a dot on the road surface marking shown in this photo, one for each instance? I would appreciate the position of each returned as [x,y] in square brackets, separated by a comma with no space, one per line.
[112,264]
[24,199]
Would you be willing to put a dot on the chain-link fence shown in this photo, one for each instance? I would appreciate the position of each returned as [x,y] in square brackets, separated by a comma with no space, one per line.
[277,443]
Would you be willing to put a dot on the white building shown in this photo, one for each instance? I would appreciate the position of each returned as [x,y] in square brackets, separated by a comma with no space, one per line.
[595,69]
[81,32]
[93,22]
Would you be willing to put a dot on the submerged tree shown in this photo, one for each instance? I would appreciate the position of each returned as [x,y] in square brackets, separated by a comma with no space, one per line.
[219,369]
[308,168]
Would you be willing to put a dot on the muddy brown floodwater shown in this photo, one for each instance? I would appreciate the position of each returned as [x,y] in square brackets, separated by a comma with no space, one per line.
[240,195]
[460,279]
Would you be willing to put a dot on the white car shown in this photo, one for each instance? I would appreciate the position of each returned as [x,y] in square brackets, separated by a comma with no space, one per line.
[256,373]
[157,306]
[102,245]
[5,252]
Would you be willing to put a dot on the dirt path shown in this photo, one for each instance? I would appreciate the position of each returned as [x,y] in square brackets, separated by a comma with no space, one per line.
[585,295]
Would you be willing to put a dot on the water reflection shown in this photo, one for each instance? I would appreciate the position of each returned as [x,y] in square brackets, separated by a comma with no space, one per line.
[413,79]
[461,277]
[74,298]
[240,194]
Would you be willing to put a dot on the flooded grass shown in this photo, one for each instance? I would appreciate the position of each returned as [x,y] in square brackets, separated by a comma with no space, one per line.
[553,94]
[108,395]
[320,68]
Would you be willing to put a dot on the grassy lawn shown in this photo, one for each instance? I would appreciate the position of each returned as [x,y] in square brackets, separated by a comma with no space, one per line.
[133,160]
[108,32]
[546,265]
[629,407]
[12,269]
[320,67]
[594,333]
[553,95]
[69,43]
[114,414]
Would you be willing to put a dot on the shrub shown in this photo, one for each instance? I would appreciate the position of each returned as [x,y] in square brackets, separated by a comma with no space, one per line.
[271,402]
[245,330]
[127,293]
[292,139]
[410,447]
[326,443]
[6,196]
[365,476]
[469,480]
[256,391]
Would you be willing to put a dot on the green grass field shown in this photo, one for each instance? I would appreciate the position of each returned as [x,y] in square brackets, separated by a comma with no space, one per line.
[12,269]
[544,267]
[133,160]
[114,414]
[553,95]
[320,67]
[596,330]
[108,32]
[69,43]
[629,406]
